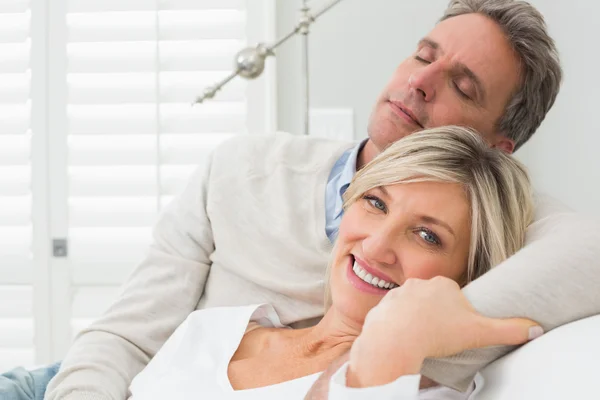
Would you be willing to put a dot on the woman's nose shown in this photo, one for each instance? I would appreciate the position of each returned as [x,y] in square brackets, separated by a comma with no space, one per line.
[379,247]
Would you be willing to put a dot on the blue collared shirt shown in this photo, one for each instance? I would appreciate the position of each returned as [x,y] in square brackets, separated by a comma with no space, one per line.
[340,177]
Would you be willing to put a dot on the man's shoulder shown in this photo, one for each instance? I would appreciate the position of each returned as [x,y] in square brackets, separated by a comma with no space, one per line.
[280,148]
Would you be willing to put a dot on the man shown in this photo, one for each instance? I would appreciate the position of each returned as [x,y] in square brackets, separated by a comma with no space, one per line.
[254,222]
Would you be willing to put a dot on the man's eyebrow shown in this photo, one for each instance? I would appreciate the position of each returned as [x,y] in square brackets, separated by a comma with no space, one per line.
[463,69]
[429,42]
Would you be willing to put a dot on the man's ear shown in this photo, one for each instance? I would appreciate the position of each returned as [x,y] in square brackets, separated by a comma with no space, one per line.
[503,143]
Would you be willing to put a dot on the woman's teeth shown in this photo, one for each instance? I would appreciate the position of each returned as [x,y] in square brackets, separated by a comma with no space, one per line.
[370,279]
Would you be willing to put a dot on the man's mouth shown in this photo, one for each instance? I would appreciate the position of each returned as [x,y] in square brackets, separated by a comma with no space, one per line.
[372,280]
[399,107]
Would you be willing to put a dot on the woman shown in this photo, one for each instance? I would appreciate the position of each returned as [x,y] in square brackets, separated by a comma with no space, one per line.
[438,203]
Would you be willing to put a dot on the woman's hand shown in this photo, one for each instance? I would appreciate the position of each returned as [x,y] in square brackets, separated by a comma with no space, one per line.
[420,319]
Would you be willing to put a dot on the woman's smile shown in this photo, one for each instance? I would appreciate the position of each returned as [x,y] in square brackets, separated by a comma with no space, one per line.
[366,279]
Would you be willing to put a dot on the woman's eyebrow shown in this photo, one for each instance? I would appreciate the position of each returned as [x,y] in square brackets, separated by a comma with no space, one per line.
[431,220]
[383,191]
[425,218]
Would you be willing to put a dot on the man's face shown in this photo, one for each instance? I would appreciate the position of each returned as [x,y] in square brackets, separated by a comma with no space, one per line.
[463,73]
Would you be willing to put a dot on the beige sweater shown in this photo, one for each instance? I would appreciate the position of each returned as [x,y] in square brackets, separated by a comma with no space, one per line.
[255,219]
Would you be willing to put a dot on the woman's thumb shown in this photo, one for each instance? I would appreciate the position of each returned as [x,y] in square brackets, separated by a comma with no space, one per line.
[510,331]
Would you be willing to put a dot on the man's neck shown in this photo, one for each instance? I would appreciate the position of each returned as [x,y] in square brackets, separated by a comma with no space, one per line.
[366,154]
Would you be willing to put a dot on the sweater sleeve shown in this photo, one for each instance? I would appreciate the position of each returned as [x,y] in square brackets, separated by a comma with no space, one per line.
[158,296]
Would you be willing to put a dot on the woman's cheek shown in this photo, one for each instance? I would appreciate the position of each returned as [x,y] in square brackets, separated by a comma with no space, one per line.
[418,266]
[354,224]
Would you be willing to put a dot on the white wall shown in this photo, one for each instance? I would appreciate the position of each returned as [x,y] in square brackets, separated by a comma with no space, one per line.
[356,46]
[563,155]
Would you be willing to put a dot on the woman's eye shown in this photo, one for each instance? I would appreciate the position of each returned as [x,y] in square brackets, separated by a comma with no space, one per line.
[429,237]
[376,202]
[421,59]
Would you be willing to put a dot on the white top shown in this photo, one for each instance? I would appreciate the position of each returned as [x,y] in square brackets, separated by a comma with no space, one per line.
[193,365]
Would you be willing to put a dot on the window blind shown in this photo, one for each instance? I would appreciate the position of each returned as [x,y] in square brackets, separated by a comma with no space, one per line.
[16,259]
[132,69]
[97,135]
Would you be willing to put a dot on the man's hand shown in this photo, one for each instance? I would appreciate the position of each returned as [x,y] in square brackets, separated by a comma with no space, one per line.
[420,319]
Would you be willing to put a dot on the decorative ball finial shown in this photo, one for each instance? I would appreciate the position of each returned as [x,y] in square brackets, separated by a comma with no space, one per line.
[250,62]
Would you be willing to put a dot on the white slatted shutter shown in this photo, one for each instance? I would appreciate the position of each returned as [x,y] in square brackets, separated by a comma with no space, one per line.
[16,228]
[132,69]
[96,137]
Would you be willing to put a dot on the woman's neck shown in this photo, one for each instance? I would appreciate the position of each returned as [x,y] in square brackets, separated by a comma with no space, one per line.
[333,335]
[290,353]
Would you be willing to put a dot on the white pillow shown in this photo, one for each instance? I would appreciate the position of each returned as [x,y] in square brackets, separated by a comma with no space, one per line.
[562,364]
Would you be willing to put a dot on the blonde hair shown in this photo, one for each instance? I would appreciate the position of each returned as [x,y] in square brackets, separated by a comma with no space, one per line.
[497,187]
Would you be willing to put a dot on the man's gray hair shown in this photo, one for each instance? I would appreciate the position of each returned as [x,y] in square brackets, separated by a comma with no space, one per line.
[541,73]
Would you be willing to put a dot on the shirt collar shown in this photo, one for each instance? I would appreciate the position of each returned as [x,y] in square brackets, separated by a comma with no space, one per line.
[346,176]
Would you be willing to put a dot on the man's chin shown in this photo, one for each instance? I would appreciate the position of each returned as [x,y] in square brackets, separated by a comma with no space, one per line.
[384,133]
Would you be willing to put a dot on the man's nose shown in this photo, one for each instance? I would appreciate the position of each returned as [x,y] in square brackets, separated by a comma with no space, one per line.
[425,80]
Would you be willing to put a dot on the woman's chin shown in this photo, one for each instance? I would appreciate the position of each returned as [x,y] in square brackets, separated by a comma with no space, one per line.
[354,306]
[352,311]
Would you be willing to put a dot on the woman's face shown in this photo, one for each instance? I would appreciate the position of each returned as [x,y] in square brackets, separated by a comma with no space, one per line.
[393,233]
